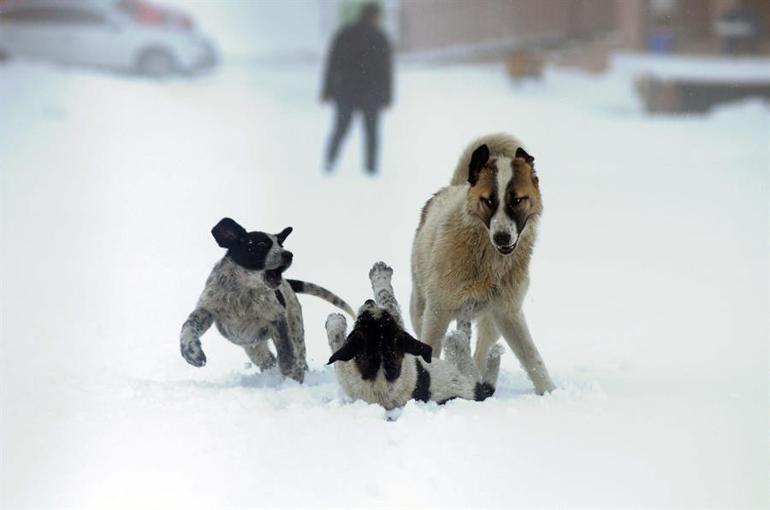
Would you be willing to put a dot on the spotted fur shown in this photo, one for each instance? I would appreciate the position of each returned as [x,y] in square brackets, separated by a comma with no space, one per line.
[250,303]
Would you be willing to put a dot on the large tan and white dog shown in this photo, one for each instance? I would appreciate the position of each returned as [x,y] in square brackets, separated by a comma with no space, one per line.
[473,248]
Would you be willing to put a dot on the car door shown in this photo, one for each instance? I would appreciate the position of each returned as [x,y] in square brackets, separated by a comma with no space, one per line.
[27,31]
[82,33]
[62,32]
[104,39]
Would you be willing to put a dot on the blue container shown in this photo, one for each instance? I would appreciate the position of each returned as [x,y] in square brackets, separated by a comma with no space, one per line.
[661,43]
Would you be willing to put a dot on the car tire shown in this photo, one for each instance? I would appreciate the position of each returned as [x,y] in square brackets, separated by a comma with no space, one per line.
[155,63]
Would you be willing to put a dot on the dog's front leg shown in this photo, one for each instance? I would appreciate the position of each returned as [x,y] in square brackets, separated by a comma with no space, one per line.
[290,346]
[259,354]
[380,276]
[434,325]
[487,336]
[196,324]
[514,328]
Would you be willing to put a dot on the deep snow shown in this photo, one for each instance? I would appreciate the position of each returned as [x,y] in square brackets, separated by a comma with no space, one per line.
[649,296]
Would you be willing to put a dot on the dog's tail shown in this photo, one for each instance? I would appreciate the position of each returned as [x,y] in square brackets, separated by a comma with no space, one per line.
[312,289]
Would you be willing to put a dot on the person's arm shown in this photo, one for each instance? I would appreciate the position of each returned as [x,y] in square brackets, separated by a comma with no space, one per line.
[387,71]
[332,69]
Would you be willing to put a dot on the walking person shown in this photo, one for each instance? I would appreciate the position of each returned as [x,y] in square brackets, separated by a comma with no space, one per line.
[358,78]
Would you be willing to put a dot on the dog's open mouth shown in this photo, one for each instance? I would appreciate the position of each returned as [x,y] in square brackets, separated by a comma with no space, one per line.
[506,250]
[273,276]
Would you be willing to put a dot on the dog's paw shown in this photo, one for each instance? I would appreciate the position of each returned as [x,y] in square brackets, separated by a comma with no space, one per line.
[336,322]
[496,351]
[458,341]
[193,354]
[380,271]
[296,373]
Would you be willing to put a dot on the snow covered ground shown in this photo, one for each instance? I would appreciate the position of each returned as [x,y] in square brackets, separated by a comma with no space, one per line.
[649,296]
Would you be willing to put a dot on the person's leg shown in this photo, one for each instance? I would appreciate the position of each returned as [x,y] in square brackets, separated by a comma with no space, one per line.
[341,125]
[371,124]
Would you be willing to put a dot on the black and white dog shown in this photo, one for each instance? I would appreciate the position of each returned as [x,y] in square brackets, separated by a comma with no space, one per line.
[250,302]
[381,363]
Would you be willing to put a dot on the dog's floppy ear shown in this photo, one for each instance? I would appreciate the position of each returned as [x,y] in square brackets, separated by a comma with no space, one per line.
[479,158]
[227,232]
[521,153]
[349,349]
[284,234]
[413,346]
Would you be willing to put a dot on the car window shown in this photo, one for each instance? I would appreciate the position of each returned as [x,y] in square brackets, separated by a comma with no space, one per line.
[54,15]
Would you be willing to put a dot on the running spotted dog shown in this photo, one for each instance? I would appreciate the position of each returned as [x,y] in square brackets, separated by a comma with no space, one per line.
[250,302]
[381,363]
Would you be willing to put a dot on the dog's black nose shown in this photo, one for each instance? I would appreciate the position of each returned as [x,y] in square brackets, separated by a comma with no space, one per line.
[502,238]
[288,256]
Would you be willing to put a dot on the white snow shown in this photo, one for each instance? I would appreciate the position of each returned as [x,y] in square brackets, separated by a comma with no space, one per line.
[649,295]
[744,70]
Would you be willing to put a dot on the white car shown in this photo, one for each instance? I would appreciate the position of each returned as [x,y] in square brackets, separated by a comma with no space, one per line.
[130,35]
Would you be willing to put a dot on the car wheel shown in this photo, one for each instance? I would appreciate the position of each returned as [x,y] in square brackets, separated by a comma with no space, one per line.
[156,63]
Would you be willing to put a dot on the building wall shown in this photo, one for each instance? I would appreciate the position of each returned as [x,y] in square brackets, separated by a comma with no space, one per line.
[691,22]
[433,24]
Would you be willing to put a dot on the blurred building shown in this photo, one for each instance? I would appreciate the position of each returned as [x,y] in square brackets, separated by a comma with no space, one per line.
[693,26]
[492,26]
[456,28]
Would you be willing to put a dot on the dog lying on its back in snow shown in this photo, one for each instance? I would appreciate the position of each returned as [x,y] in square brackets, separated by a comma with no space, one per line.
[250,302]
[472,249]
[381,363]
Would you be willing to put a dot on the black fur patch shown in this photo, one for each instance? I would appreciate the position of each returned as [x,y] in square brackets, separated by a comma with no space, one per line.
[377,340]
[422,388]
[280,298]
[479,158]
[483,391]
[297,285]
[247,249]
[512,210]
[521,153]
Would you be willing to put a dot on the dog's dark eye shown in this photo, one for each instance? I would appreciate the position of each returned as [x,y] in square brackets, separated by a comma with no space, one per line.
[487,202]
[517,200]
[262,244]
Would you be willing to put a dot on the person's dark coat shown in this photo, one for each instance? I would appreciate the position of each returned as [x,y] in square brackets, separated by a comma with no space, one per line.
[358,70]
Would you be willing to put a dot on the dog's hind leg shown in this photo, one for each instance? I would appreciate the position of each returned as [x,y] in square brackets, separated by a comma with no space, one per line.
[458,344]
[259,354]
[488,384]
[492,371]
[487,336]
[380,275]
[457,348]
[290,345]
[513,326]
[336,330]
